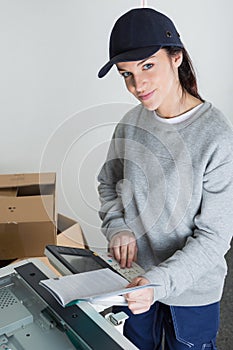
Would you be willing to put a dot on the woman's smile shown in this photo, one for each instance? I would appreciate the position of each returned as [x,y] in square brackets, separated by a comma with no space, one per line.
[147,96]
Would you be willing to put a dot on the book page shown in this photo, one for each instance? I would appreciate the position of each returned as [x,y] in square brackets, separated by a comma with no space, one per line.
[84,286]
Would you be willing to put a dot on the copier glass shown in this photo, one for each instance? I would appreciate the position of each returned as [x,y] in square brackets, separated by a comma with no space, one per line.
[30,318]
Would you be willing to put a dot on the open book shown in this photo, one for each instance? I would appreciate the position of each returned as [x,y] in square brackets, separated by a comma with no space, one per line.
[103,287]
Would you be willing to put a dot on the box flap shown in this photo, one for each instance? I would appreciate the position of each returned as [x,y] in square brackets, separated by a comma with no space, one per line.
[75,234]
[64,222]
[17,180]
[71,232]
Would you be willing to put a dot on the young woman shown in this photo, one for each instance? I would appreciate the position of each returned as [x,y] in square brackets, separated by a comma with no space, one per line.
[166,188]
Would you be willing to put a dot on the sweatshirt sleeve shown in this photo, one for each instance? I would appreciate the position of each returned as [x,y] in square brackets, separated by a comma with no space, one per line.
[110,184]
[211,238]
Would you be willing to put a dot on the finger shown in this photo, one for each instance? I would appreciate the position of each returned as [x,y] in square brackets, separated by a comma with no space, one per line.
[131,253]
[142,295]
[124,251]
[117,253]
[124,255]
[134,282]
[138,306]
[115,248]
[135,254]
[128,250]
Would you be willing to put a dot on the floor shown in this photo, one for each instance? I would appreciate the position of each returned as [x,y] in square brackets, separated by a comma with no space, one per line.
[225,338]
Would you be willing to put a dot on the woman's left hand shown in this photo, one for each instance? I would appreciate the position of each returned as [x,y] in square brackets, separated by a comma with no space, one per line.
[142,299]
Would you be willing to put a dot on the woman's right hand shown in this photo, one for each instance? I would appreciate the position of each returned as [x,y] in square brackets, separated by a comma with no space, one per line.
[123,247]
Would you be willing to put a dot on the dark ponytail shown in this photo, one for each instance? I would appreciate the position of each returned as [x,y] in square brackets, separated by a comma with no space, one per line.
[186,71]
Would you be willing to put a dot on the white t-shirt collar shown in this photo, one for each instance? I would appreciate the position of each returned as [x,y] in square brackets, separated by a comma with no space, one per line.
[180,118]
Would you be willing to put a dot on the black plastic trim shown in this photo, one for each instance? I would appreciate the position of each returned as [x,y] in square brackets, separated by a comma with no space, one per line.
[73,316]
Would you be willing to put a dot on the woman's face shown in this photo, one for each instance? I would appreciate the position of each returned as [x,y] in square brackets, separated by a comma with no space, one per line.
[154,81]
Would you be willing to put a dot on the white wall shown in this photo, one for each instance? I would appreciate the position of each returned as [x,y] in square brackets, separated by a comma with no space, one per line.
[56,115]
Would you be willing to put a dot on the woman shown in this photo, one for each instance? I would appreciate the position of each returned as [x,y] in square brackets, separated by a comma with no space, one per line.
[166,188]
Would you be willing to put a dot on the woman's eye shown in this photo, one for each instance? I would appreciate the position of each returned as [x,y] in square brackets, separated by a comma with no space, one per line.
[147,66]
[125,74]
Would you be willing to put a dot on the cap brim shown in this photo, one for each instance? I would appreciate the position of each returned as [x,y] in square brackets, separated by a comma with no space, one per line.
[132,55]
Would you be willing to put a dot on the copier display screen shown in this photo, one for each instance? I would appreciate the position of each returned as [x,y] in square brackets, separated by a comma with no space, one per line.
[82,263]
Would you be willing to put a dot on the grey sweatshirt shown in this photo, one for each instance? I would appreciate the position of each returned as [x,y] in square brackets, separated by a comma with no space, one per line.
[172,186]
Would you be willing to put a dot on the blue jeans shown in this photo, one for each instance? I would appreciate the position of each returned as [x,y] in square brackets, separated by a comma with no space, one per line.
[184,328]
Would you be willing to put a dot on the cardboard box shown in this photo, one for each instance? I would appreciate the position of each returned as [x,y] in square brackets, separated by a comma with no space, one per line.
[27,214]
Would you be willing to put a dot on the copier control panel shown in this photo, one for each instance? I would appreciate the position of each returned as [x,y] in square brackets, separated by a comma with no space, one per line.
[75,260]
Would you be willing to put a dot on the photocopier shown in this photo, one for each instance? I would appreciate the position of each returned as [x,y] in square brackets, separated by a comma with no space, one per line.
[31,319]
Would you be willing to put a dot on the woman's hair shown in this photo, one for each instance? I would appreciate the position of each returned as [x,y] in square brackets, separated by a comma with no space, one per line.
[186,71]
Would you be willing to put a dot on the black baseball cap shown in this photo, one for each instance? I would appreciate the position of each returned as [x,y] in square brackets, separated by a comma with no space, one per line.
[138,34]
